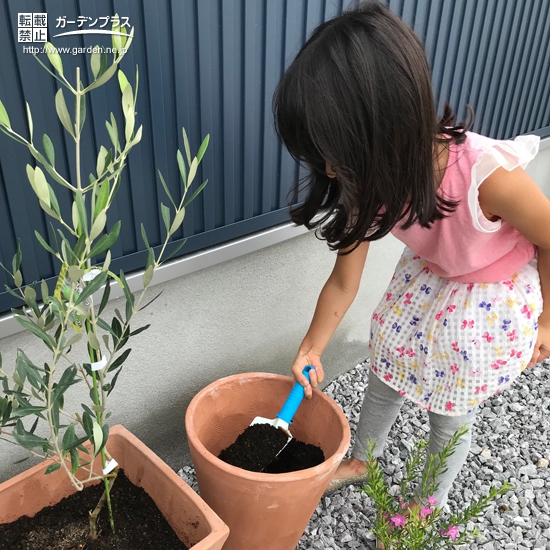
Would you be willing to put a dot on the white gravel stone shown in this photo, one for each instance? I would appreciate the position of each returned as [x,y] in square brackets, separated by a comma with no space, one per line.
[529,470]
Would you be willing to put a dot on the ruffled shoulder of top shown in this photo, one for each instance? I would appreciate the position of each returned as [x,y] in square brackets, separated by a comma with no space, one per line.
[492,154]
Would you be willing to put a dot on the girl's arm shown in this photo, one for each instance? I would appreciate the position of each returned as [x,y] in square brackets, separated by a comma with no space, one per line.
[515,197]
[542,346]
[334,301]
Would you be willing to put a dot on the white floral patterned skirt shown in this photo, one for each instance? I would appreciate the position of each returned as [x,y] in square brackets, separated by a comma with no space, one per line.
[449,346]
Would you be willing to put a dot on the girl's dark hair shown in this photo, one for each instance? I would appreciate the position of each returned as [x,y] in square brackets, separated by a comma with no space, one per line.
[359,97]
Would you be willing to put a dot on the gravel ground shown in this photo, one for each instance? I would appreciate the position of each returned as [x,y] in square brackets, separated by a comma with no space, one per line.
[510,443]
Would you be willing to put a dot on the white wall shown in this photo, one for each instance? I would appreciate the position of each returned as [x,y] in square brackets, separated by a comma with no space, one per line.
[247,314]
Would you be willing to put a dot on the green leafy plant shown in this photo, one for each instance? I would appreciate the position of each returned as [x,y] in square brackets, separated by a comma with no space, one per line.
[421,526]
[69,317]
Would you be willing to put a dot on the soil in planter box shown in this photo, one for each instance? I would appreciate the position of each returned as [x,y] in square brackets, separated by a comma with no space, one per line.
[255,450]
[138,523]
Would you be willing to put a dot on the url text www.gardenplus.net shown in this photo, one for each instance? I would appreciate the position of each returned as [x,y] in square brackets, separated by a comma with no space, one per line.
[74,50]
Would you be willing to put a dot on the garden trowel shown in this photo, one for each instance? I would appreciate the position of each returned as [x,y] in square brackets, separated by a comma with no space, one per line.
[286,414]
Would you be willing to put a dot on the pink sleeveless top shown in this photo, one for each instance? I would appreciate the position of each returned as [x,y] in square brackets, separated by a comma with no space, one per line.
[466,247]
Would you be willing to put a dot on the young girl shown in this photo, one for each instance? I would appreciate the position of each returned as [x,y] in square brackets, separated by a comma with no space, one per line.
[463,314]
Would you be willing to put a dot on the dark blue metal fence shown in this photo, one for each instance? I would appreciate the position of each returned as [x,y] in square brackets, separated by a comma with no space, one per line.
[212,66]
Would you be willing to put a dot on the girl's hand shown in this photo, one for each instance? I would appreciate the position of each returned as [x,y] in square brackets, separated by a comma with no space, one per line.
[316,374]
[542,346]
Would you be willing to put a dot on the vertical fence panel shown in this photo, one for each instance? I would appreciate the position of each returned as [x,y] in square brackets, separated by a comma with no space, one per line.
[537,101]
[253,98]
[232,78]
[294,36]
[187,90]
[275,12]
[505,45]
[456,35]
[209,17]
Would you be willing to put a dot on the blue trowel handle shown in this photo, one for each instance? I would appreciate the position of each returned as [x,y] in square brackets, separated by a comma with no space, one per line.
[294,399]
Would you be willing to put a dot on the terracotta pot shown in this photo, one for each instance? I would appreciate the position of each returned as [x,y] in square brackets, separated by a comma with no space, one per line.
[263,511]
[191,519]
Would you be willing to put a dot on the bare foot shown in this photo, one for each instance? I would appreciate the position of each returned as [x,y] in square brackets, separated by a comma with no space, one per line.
[350,468]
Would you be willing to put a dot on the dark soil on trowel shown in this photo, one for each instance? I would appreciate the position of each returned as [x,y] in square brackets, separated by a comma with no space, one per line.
[257,447]
[138,522]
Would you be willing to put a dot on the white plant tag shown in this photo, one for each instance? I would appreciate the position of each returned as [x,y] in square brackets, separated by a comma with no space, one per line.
[110,466]
[100,364]
[91,275]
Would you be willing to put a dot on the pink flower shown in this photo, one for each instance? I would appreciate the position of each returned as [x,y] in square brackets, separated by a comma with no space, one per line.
[399,520]
[451,532]
[449,406]
[401,392]
[432,501]
[426,511]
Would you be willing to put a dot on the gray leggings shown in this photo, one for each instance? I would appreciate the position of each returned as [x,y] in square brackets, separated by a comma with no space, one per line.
[381,406]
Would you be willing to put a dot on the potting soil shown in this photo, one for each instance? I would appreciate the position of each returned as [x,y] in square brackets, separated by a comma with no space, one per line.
[64,526]
[256,448]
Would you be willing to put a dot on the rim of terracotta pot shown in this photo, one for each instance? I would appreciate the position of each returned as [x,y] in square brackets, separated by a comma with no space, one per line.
[258,476]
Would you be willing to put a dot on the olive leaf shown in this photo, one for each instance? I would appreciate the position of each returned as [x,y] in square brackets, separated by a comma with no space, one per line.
[63,112]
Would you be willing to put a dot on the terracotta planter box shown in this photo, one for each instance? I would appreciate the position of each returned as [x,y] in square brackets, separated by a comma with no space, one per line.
[191,519]
[263,511]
